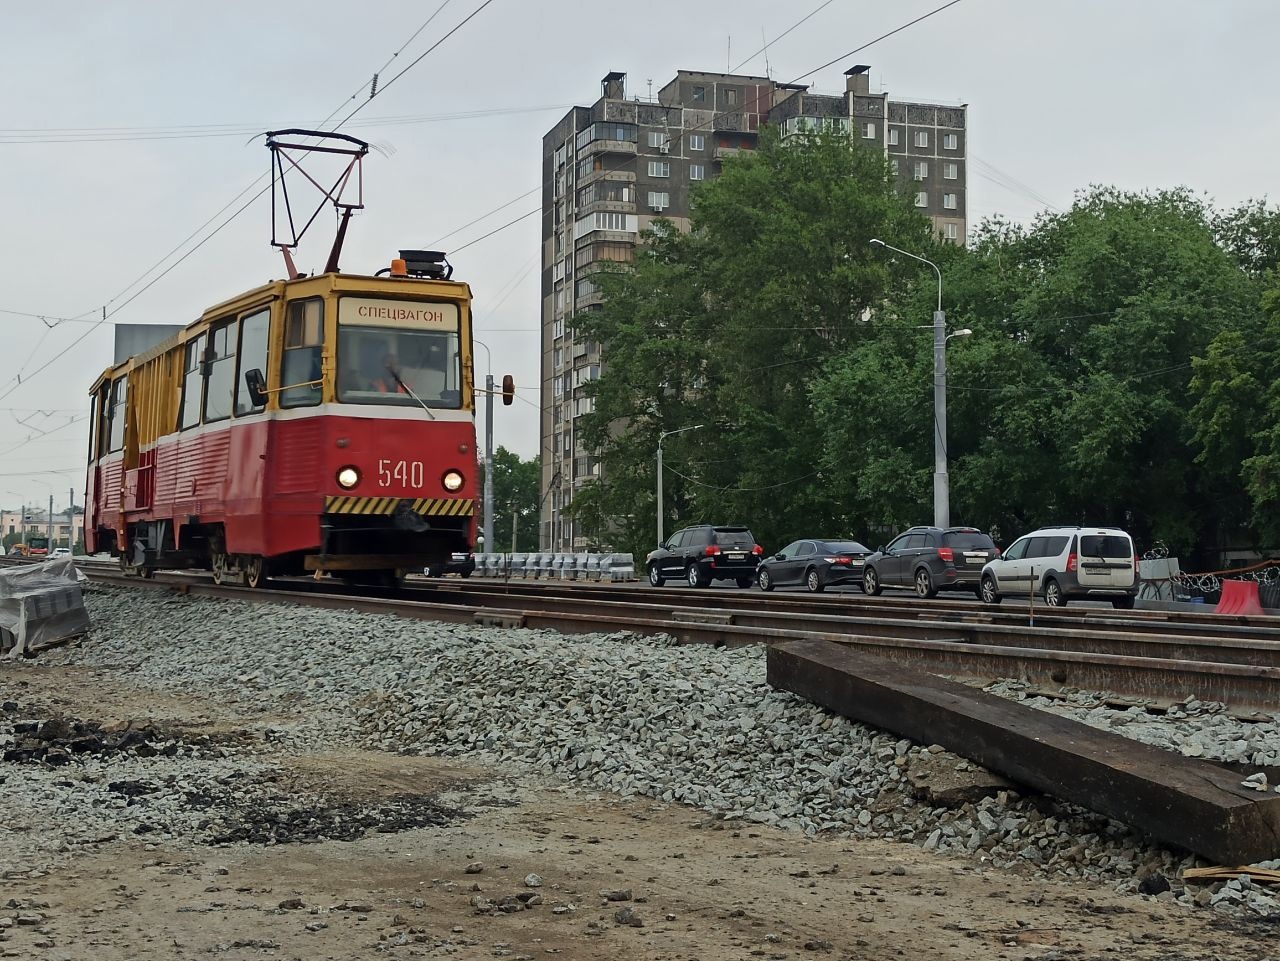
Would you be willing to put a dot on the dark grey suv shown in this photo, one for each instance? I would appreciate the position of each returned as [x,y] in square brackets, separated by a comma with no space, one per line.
[931,559]
[702,554]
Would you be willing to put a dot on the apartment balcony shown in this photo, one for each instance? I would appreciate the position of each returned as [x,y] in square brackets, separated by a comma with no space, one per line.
[613,146]
[722,152]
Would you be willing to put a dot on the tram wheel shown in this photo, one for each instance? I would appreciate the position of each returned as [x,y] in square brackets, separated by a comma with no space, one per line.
[255,570]
[221,570]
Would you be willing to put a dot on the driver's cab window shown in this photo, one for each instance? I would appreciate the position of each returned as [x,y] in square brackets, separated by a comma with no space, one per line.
[399,352]
[1017,550]
[677,539]
[899,544]
[790,550]
[301,371]
[254,331]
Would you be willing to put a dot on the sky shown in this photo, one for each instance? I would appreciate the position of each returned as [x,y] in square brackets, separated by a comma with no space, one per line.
[126,127]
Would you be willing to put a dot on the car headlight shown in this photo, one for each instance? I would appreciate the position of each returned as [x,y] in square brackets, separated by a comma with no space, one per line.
[452,481]
[348,477]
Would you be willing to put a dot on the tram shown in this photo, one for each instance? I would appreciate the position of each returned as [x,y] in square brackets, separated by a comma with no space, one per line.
[320,423]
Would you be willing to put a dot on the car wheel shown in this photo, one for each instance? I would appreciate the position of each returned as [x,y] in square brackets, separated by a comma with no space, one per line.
[1053,595]
[1123,603]
[924,583]
[871,582]
[464,573]
[694,578]
[744,582]
[988,593]
[766,581]
[655,576]
[813,581]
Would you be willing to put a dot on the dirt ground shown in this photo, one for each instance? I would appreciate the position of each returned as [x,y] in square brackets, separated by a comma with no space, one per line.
[683,886]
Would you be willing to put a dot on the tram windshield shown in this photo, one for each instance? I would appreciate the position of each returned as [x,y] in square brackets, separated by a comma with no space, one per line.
[398,353]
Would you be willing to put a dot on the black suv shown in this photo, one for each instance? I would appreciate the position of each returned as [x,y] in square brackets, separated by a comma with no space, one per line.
[704,554]
[930,559]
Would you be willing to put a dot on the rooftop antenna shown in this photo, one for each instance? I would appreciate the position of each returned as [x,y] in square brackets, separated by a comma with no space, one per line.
[649,81]
[767,72]
[728,57]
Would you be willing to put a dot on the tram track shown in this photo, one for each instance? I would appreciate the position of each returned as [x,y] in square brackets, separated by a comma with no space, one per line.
[1144,659]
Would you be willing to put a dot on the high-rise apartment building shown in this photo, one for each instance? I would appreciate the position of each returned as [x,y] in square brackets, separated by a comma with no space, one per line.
[609,169]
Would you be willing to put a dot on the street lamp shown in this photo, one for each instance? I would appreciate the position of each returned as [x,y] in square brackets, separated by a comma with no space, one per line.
[941,483]
[665,434]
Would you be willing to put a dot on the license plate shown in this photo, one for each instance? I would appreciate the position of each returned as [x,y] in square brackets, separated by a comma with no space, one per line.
[735,556]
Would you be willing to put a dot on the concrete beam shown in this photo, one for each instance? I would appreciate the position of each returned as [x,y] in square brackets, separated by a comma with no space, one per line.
[1189,803]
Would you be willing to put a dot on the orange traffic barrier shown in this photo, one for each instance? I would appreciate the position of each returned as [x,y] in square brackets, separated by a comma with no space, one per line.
[1240,597]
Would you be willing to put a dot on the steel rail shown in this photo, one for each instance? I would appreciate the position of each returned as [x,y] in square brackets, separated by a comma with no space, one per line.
[1240,685]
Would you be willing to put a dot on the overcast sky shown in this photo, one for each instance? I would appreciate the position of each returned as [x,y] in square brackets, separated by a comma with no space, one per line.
[1142,93]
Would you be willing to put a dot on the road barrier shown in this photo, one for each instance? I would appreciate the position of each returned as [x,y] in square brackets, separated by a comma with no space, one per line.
[566,567]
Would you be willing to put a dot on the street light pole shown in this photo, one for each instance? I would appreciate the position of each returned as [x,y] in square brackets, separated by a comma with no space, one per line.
[662,436]
[488,451]
[941,482]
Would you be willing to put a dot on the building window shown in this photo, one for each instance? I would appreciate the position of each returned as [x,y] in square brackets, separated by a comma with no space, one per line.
[953,232]
[697,141]
[659,168]
[951,171]
[697,172]
[920,170]
[949,201]
[659,200]
[893,138]
[868,131]
[922,138]
[699,95]
[731,97]
[922,199]
[893,165]
[950,141]
[658,138]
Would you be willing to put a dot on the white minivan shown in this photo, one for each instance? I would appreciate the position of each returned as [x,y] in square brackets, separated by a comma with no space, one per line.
[1062,563]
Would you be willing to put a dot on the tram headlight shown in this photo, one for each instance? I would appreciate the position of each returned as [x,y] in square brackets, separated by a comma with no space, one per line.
[348,477]
[452,481]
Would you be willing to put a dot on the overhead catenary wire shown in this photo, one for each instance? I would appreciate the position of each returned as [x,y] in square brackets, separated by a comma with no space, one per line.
[704,124]
[107,314]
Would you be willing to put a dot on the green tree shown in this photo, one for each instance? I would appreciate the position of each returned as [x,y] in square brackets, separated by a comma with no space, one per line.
[515,494]
[728,326]
[1072,399]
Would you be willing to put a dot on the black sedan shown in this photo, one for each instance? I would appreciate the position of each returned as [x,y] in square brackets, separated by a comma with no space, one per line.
[817,564]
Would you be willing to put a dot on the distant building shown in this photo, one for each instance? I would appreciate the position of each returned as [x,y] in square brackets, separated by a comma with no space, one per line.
[68,529]
[609,169]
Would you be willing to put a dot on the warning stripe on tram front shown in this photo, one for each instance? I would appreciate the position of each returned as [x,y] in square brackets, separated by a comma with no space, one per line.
[427,506]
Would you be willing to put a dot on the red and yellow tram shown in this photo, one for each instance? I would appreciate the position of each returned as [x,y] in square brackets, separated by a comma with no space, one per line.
[322,423]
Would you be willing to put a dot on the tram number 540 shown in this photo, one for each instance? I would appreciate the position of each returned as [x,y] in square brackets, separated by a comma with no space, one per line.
[403,473]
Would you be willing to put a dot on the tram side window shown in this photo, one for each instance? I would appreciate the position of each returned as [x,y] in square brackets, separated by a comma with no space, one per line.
[95,429]
[221,357]
[253,356]
[119,390]
[303,342]
[192,385]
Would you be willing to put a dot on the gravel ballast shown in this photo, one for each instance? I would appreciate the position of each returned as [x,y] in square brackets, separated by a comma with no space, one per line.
[638,716]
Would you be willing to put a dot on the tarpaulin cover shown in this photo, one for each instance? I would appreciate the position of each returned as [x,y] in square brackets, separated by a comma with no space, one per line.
[40,604]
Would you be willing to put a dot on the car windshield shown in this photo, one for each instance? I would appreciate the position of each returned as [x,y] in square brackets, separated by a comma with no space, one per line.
[968,541]
[735,539]
[1106,546]
[391,352]
[845,547]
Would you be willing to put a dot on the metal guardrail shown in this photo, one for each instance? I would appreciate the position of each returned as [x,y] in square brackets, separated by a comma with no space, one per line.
[567,567]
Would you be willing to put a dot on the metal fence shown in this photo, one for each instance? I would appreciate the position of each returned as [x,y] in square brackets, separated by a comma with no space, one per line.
[551,566]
